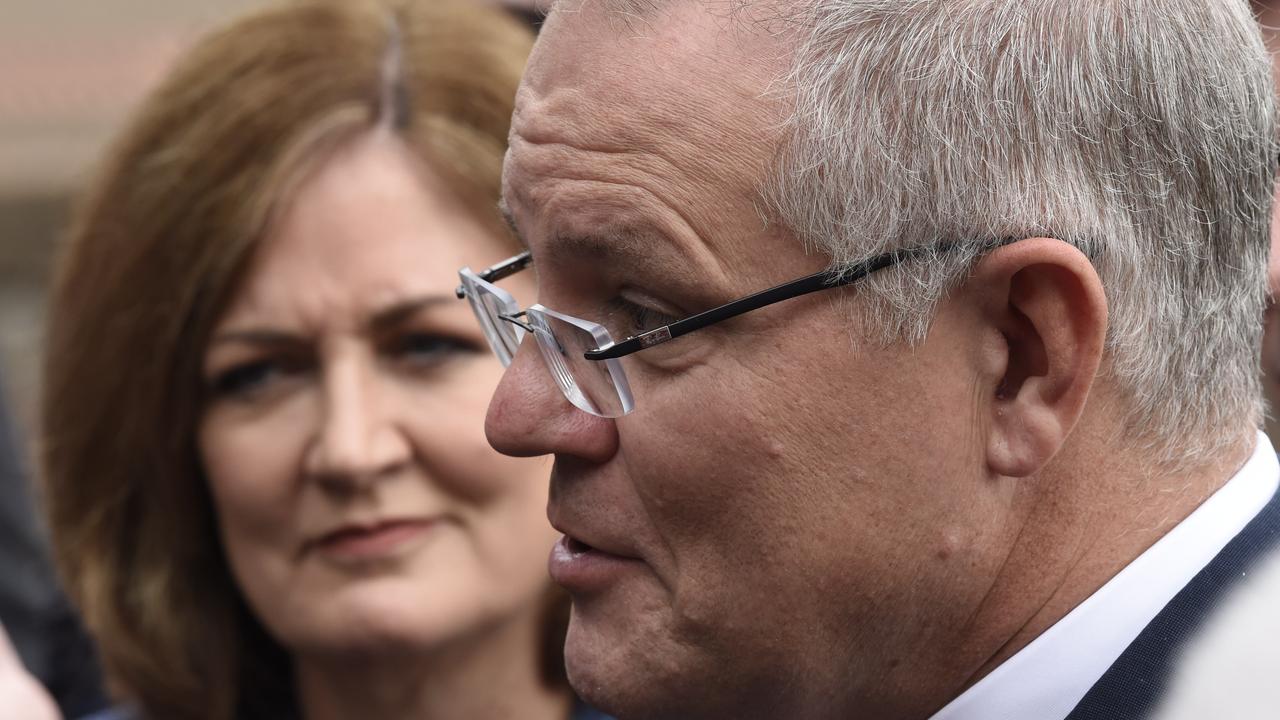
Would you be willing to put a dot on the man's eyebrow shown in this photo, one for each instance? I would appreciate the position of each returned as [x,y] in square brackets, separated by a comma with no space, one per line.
[622,248]
[635,244]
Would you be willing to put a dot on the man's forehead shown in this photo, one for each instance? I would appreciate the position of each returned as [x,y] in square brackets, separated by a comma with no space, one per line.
[664,121]
[681,70]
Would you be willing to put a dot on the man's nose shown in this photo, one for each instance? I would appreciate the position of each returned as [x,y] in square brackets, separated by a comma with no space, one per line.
[359,438]
[529,415]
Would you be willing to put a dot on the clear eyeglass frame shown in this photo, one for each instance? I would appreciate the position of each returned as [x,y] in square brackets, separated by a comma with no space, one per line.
[598,387]
[583,357]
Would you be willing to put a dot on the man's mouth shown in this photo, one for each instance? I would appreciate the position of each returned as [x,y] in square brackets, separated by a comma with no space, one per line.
[582,568]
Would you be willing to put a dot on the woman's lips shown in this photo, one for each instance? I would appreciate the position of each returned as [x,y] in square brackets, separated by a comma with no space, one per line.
[356,544]
[580,568]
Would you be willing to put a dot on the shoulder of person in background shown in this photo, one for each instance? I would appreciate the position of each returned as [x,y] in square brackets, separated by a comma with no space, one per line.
[44,631]
[21,694]
[1231,669]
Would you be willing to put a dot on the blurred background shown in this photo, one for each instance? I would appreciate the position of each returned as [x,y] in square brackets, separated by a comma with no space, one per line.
[70,71]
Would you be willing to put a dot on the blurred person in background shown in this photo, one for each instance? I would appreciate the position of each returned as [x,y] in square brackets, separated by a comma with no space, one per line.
[531,12]
[268,483]
[46,635]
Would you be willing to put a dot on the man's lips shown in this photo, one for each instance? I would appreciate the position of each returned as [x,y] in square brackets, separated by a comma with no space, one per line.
[588,536]
[582,568]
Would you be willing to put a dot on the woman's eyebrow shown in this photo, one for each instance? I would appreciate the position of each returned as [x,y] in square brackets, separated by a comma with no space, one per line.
[254,336]
[397,313]
[381,320]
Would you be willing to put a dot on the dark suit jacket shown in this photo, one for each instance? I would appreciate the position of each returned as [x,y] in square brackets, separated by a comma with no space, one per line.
[1135,683]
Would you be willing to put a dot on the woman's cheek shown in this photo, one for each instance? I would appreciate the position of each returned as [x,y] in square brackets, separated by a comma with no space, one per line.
[252,463]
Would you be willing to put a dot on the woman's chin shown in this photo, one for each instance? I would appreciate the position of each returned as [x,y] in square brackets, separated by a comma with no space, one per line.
[372,620]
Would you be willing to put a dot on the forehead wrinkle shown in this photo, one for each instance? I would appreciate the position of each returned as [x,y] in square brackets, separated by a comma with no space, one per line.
[691,120]
[618,180]
[617,222]
[707,106]
[686,138]
[703,65]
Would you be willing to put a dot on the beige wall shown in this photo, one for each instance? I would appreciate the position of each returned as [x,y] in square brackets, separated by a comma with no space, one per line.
[70,70]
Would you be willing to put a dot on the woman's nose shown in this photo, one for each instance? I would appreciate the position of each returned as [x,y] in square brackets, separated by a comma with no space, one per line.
[530,416]
[359,438]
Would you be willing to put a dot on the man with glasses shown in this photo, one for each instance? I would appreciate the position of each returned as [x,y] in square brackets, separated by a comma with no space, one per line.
[898,357]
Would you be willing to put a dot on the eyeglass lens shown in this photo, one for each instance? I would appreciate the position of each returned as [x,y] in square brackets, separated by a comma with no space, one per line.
[588,384]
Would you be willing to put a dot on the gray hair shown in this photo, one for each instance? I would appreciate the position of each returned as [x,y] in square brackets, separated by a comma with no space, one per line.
[1140,131]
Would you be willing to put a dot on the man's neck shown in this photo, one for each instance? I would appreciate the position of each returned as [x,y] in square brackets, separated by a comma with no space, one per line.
[1081,532]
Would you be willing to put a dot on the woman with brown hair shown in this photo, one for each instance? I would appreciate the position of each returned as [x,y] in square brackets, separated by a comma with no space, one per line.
[267,478]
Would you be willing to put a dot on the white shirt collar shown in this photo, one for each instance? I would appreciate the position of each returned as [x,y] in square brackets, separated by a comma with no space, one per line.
[1048,678]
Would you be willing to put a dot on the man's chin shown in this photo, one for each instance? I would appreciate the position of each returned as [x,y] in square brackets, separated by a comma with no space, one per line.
[619,668]
[633,665]
[598,670]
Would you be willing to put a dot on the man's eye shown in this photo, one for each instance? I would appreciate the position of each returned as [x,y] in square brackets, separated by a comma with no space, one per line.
[428,350]
[632,318]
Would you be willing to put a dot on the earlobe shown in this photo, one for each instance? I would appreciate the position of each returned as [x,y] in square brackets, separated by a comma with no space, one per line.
[1046,301]
[1023,439]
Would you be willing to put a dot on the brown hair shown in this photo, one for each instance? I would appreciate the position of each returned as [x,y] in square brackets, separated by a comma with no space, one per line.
[158,244]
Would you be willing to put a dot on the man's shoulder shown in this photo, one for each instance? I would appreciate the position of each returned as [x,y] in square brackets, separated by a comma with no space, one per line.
[582,711]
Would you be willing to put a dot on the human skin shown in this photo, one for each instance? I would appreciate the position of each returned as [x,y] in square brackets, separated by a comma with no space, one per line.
[20,691]
[1271,341]
[795,521]
[373,532]
[1269,20]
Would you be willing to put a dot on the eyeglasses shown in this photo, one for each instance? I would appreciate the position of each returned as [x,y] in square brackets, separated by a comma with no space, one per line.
[582,355]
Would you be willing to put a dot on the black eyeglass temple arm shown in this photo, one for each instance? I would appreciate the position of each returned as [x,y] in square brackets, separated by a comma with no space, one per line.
[812,283]
[795,288]
[506,268]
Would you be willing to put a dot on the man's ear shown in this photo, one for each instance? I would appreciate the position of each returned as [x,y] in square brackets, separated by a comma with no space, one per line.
[1045,300]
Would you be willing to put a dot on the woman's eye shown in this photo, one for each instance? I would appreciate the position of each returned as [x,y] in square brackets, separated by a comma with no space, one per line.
[243,380]
[427,349]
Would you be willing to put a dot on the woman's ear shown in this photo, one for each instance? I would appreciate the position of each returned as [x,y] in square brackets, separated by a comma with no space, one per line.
[1044,298]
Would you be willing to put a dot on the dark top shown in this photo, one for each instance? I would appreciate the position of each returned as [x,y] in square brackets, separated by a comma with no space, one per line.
[36,615]
[580,712]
